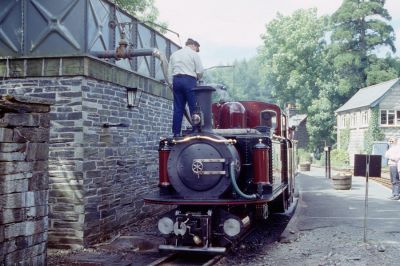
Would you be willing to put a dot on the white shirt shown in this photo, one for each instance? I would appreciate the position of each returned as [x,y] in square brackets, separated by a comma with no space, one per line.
[393,154]
[186,62]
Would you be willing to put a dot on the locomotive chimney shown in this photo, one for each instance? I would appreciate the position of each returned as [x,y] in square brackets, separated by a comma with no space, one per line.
[203,102]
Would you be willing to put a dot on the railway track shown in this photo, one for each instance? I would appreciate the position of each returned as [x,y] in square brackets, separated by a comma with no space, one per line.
[382,180]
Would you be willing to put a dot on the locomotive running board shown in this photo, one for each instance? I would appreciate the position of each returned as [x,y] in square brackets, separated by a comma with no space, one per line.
[209,250]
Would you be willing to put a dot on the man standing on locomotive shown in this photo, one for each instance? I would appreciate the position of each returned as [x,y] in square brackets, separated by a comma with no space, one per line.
[393,156]
[184,69]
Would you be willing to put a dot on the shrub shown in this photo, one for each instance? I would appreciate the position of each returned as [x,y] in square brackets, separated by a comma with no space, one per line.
[304,156]
[374,132]
[339,158]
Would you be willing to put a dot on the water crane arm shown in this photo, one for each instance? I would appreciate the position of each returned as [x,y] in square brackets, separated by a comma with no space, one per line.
[123,52]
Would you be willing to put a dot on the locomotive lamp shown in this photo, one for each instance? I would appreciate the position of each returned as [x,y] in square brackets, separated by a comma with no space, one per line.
[166,225]
[232,227]
[133,96]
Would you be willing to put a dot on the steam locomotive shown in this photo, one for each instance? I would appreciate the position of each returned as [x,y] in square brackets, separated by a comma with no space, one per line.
[234,168]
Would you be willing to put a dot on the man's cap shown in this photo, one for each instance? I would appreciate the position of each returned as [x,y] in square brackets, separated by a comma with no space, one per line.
[192,42]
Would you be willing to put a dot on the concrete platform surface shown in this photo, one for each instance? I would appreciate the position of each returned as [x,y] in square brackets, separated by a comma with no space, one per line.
[329,226]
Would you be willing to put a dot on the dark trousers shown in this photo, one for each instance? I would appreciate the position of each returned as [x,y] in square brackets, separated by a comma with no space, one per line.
[182,85]
[394,178]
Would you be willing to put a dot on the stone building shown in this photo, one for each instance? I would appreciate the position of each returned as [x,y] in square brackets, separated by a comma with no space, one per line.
[102,151]
[355,115]
[299,123]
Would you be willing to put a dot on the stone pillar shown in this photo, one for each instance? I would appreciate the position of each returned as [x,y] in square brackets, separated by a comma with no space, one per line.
[24,138]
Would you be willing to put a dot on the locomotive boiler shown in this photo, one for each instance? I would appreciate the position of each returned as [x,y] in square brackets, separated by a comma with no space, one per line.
[233,167]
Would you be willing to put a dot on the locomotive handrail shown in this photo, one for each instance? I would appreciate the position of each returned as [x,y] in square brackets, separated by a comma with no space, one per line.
[277,137]
[235,185]
[229,141]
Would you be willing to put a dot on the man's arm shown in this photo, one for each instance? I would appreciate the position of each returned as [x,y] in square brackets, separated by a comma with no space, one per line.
[198,66]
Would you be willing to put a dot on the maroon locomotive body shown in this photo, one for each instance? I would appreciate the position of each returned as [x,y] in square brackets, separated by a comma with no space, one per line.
[233,168]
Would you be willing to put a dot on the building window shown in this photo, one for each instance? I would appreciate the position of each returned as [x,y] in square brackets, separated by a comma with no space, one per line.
[389,117]
[364,118]
[383,117]
[353,120]
[398,117]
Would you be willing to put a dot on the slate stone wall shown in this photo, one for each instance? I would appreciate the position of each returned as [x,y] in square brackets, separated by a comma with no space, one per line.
[103,155]
[120,156]
[24,142]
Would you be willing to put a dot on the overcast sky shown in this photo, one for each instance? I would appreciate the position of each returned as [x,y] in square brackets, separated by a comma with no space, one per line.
[231,29]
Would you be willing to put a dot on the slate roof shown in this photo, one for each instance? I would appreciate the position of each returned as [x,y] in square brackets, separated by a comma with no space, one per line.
[368,96]
[296,120]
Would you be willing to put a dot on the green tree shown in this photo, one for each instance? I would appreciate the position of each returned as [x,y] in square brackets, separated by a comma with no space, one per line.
[382,69]
[241,79]
[359,27]
[247,80]
[321,121]
[144,10]
[291,57]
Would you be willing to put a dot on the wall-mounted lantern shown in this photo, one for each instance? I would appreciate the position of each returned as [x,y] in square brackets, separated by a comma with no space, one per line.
[133,96]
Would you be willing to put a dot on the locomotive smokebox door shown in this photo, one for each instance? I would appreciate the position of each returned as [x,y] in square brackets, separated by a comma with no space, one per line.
[198,169]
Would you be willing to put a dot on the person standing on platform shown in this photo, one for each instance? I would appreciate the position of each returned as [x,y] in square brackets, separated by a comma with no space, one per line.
[393,156]
[184,69]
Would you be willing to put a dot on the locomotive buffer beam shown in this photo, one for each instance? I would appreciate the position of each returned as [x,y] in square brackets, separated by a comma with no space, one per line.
[210,250]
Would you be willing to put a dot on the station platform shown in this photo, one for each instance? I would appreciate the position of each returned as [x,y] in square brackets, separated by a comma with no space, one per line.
[331,227]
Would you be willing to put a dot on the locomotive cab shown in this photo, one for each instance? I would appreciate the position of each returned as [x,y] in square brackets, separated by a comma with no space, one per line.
[267,122]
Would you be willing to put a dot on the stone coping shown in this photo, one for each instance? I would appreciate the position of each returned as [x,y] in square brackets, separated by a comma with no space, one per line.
[27,99]
[89,66]
[24,104]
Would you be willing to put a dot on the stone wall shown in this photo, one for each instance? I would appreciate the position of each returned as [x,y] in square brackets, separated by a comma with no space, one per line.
[120,156]
[24,137]
[103,155]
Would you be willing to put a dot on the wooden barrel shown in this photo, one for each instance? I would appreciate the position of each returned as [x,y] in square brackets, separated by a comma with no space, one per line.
[305,167]
[342,181]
